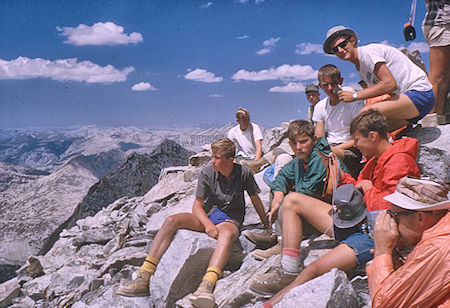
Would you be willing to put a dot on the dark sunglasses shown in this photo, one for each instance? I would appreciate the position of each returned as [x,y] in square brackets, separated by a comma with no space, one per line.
[341,44]
[395,215]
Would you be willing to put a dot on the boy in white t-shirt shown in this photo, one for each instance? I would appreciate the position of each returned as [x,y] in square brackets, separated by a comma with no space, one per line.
[246,136]
[335,115]
[386,70]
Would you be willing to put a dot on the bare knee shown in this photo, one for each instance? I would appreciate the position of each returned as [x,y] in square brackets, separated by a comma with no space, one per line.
[227,235]
[171,224]
[293,202]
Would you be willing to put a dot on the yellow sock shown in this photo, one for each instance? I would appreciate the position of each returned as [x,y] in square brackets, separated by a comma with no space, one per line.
[212,275]
[149,265]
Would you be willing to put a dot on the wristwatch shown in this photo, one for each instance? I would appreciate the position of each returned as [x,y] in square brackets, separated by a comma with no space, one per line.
[355,96]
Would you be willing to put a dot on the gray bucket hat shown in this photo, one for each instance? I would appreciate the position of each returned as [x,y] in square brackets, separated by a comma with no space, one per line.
[335,32]
[351,208]
[312,88]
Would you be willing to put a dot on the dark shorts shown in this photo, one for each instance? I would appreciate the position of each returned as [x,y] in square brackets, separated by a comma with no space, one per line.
[362,244]
[424,102]
[218,217]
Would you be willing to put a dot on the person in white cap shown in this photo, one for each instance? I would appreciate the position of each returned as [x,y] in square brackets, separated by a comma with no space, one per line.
[386,70]
[418,217]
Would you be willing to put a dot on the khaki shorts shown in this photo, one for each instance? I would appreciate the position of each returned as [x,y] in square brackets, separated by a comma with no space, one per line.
[437,36]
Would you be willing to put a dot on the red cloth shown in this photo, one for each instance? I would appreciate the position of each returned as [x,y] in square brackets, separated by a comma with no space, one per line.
[424,279]
[396,162]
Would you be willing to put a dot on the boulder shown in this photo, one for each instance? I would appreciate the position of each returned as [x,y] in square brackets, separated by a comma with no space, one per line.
[329,290]
[182,267]
[9,290]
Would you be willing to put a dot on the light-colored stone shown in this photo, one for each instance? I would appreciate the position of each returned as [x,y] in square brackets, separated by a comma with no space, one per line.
[9,290]
[182,267]
[329,290]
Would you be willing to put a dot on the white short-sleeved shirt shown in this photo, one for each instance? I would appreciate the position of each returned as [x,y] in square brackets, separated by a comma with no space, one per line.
[337,118]
[245,140]
[407,75]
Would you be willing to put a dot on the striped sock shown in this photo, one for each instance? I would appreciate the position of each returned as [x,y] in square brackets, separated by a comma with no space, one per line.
[290,260]
[149,265]
[212,275]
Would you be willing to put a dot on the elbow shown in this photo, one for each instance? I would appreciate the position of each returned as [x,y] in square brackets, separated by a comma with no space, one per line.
[390,86]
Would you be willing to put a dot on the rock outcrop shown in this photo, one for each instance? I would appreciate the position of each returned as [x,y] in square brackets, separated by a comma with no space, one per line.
[92,259]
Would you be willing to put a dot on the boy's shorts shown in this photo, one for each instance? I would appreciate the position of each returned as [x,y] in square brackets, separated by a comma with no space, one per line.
[437,36]
[424,102]
[218,217]
[362,244]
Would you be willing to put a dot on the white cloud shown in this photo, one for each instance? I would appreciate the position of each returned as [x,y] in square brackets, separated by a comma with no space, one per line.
[243,1]
[291,87]
[271,42]
[101,33]
[420,46]
[263,51]
[143,86]
[259,1]
[216,95]
[206,5]
[202,75]
[243,37]
[62,70]
[284,72]
[308,48]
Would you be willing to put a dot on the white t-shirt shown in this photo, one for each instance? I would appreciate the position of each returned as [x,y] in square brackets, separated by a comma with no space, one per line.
[407,75]
[245,140]
[337,118]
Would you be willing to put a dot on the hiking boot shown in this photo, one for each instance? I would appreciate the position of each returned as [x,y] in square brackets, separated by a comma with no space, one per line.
[264,239]
[203,297]
[272,281]
[138,287]
[254,165]
[260,254]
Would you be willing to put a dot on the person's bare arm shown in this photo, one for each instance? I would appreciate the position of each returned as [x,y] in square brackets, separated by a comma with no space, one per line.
[319,129]
[386,84]
[199,213]
[257,203]
[258,144]
[276,203]
[339,149]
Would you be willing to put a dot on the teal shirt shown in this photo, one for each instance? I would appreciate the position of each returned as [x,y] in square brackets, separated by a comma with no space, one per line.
[309,181]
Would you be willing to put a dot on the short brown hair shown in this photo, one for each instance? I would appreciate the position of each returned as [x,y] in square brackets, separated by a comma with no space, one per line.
[224,146]
[329,70]
[299,128]
[242,113]
[370,120]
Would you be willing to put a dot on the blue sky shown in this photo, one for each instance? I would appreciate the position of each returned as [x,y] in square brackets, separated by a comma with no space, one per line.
[176,63]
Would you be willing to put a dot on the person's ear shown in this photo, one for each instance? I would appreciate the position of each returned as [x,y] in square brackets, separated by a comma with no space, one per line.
[373,136]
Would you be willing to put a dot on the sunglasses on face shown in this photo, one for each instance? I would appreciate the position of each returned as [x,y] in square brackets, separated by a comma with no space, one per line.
[395,215]
[341,44]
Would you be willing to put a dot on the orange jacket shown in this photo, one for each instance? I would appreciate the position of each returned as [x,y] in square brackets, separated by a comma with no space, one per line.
[424,279]
[396,162]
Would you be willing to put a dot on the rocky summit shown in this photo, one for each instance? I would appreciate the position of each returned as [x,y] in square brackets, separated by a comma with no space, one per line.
[89,261]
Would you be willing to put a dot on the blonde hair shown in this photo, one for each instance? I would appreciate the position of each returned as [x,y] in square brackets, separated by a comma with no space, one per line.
[329,70]
[224,146]
[242,113]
